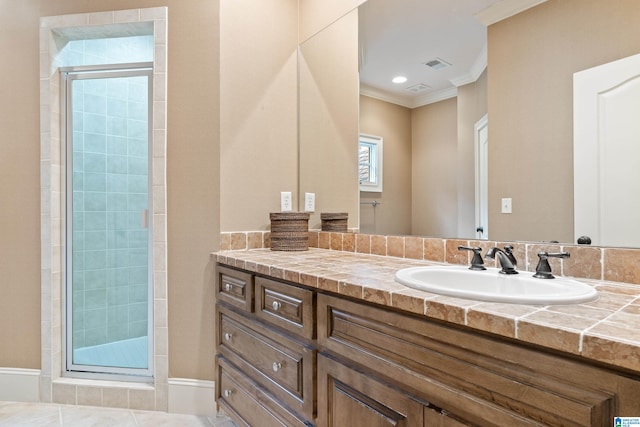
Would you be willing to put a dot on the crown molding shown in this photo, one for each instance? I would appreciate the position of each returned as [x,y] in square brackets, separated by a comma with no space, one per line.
[504,9]
[475,72]
[419,101]
[372,92]
[433,97]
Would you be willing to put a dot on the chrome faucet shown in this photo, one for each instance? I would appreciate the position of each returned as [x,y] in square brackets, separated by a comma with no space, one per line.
[506,259]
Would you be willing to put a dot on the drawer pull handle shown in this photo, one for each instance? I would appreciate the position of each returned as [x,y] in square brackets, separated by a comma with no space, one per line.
[276,305]
[227,393]
[276,366]
[228,336]
[228,287]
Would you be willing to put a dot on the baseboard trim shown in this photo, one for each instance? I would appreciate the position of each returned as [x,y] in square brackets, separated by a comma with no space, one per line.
[19,385]
[191,396]
[186,396]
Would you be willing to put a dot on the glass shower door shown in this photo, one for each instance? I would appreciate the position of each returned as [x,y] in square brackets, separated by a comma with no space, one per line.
[109,301]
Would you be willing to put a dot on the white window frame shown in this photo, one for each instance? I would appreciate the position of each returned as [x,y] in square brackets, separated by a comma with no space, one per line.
[375,166]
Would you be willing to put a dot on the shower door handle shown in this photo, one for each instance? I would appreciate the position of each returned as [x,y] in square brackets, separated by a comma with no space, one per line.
[145,218]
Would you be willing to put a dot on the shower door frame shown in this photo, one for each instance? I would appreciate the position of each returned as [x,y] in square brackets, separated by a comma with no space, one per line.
[68,75]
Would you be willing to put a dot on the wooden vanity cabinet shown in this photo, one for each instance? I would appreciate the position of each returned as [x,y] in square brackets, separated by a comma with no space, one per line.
[297,356]
[266,361]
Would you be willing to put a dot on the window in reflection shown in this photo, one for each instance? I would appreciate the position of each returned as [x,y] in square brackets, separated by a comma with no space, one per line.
[370,163]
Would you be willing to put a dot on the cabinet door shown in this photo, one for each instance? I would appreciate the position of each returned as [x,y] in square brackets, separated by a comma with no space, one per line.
[347,397]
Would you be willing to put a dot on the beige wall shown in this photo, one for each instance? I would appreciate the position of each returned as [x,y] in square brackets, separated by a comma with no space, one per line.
[328,130]
[19,186]
[532,57]
[263,82]
[393,123]
[258,110]
[192,177]
[434,163]
[318,14]
[472,106]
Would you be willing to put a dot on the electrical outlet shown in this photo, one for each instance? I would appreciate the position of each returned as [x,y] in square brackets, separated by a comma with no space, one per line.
[506,205]
[285,201]
[309,202]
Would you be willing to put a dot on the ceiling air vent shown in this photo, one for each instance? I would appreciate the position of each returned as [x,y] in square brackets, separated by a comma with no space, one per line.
[418,88]
[437,64]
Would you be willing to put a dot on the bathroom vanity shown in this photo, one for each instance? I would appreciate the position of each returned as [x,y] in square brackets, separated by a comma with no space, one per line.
[327,338]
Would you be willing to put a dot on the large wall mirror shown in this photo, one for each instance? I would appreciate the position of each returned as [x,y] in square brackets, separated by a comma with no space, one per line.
[527,90]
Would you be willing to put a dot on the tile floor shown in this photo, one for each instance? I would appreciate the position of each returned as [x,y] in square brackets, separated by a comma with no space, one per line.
[21,414]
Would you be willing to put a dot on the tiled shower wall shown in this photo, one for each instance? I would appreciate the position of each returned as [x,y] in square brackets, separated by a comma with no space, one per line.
[110,182]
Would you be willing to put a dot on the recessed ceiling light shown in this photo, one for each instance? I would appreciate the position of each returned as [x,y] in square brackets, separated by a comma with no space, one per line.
[399,79]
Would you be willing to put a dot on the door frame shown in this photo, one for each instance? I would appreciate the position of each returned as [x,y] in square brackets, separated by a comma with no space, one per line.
[481,153]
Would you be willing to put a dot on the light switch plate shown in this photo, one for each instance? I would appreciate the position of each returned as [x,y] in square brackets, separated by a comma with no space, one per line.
[309,202]
[285,201]
[506,205]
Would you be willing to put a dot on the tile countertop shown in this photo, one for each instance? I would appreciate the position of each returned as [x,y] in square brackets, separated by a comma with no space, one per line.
[606,330]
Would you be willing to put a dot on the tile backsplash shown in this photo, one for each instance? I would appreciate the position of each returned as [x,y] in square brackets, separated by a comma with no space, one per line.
[587,262]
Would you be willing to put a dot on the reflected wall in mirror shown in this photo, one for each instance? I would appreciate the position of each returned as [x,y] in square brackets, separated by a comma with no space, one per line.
[606,152]
[429,120]
[531,59]
[328,119]
[429,165]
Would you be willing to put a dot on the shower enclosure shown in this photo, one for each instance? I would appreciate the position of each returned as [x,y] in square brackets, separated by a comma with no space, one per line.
[108,244]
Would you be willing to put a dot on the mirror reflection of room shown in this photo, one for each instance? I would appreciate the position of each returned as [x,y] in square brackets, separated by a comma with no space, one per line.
[428,119]
[525,84]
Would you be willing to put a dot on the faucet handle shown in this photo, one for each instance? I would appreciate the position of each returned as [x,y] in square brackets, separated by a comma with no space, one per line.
[477,263]
[508,249]
[543,269]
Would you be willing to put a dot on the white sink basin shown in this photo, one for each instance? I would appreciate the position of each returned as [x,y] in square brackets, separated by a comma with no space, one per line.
[489,285]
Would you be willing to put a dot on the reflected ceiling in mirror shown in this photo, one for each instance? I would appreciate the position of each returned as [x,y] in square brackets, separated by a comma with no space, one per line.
[437,45]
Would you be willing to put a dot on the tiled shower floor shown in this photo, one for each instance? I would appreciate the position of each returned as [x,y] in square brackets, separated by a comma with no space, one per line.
[131,353]
[21,414]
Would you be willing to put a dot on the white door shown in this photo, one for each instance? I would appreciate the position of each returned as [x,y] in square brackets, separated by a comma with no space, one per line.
[481,132]
[607,153]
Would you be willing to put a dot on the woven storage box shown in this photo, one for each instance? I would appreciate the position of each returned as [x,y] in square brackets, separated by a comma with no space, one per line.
[336,222]
[289,231]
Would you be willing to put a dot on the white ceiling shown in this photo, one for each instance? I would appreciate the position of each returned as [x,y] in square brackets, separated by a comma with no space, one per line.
[398,36]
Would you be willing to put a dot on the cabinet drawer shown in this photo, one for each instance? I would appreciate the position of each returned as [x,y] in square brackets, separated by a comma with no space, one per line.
[247,404]
[234,287]
[286,306]
[282,366]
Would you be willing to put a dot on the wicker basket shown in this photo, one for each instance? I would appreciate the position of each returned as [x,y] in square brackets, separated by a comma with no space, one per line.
[336,222]
[289,231]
